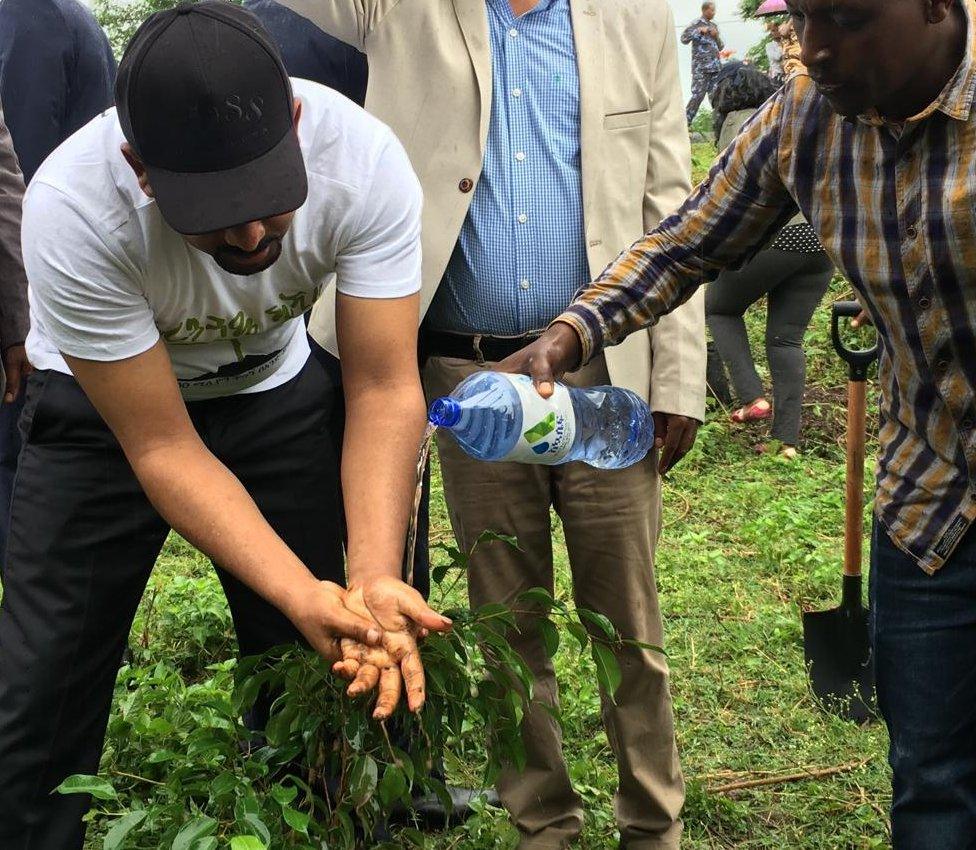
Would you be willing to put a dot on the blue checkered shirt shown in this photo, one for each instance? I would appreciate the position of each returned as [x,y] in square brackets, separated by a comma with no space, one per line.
[521,254]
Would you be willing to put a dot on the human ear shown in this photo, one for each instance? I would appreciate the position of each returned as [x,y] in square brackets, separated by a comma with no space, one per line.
[139,168]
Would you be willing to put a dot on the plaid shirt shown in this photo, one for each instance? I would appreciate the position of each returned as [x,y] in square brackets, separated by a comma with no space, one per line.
[895,208]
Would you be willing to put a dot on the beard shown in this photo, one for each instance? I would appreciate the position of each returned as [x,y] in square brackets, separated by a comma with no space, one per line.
[245,263]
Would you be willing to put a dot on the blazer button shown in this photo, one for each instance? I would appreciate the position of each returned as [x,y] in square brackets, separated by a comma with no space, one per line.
[466,185]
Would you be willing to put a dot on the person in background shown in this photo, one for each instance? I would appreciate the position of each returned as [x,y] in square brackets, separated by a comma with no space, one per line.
[706,56]
[536,170]
[312,54]
[774,52]
[56,74]
[13,281]
[792,59]
[793,274]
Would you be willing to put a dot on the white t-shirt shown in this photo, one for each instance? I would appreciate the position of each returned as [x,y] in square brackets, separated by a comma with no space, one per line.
[108,277]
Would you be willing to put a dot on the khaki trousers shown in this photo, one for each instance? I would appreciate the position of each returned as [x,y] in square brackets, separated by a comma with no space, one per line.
[611,522]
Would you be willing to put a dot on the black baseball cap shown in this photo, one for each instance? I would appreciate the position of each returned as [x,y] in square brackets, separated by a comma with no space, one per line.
[205,102]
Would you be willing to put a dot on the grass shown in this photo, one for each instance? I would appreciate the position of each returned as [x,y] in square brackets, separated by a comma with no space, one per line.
[748,541]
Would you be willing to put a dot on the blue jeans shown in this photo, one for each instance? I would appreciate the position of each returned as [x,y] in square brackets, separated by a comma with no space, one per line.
[924,635]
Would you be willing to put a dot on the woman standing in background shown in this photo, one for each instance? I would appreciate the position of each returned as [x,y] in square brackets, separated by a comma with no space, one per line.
[793,273]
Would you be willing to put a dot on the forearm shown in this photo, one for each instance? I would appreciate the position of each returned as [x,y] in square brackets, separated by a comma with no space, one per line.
[384,424]
[221,520]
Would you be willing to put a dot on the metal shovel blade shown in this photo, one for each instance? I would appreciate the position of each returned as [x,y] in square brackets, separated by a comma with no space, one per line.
[838,654]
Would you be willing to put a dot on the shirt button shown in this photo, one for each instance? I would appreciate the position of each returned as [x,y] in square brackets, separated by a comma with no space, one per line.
[912,232]
[524,284]
[466,185]
[520,156]
[513,32]
[516,92]
[924,303]
[522,218]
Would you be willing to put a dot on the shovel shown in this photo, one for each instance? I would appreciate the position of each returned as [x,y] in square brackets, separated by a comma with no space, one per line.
[835,642]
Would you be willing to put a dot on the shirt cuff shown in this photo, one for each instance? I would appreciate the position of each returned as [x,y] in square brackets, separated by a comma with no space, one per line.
[586,322]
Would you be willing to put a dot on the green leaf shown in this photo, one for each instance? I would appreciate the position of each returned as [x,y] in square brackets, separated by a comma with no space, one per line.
[83,783]
[413,837]
[258,826]
[279,726]
[121,828]
[199,827]
[392,786]
[297,820]
[537,596]
[497,612]
[550,636]
[642,645]
[598,620]
[223,784]
[578,631]
[362,779]
[283,795]
[492,536]
[247,842]
[607,669]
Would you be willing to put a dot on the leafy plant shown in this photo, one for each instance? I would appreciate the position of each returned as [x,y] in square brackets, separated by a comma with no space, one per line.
[182,770]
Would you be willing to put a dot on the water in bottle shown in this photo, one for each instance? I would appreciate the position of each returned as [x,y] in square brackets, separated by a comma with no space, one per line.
[496,416]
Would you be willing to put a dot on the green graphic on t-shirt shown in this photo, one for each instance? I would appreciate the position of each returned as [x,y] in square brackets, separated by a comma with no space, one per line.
[190,331]
[541,429]
[293,304]
[200,331]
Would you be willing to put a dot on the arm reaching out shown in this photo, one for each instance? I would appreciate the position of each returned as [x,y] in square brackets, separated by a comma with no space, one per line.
[139,400]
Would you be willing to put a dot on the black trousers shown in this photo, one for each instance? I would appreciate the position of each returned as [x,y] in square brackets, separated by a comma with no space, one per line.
[83,541]
[794,284]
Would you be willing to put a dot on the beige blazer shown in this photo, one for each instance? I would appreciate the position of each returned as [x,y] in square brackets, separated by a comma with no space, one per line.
[430,81]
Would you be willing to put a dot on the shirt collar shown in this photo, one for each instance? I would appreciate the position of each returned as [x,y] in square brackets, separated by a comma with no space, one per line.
[540,7]
[956,98]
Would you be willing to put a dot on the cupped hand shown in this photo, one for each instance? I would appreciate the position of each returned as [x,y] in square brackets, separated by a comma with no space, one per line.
[400,611]
[547,359]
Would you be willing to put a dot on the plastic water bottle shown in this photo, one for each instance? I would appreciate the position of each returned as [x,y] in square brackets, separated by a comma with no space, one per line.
[496,416]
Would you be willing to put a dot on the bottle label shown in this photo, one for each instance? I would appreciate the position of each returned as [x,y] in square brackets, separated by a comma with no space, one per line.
[548,424]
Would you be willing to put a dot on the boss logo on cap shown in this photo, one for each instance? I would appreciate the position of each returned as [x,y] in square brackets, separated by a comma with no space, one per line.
[235,109]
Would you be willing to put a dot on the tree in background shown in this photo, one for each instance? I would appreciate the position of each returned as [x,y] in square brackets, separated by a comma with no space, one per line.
[121,18]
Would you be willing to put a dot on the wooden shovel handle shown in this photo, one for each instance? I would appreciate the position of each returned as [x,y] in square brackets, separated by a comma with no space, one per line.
[854,501]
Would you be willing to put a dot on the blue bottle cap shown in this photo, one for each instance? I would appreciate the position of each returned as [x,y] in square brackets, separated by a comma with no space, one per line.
[445,412]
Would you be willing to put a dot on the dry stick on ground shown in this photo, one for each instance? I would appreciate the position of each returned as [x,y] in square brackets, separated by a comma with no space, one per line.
[801,776]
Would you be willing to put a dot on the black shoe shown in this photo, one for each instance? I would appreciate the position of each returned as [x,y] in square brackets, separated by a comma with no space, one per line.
[428,812]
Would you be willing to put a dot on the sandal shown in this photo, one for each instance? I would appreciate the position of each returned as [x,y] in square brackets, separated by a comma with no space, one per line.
[758,410]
